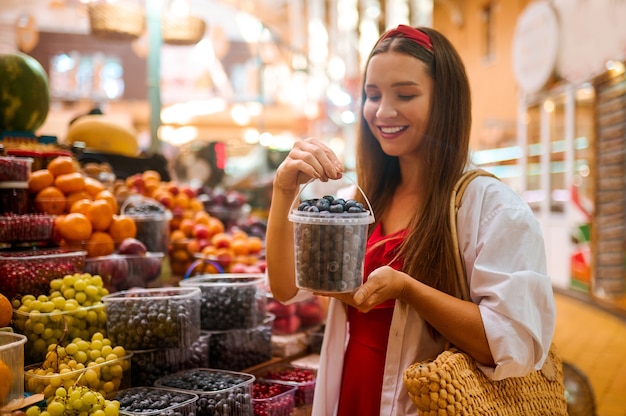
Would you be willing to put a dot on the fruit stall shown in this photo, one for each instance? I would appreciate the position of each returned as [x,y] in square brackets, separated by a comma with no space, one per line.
[134,294]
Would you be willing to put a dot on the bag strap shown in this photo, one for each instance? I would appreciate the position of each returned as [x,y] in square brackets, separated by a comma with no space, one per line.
[455,204]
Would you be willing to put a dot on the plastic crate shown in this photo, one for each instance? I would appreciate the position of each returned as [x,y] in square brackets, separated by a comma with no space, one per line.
[153,401]
[113,375]
[145,319]
[220,392]
[302,378]
[12,360]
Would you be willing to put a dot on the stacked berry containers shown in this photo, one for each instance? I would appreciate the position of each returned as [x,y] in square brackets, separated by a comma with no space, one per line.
[152,401]
[234,313]
[303,379]
[14,174]
[220,392]
[160,326]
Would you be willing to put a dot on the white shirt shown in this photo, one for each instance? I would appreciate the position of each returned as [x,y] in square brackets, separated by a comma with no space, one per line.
[504,255]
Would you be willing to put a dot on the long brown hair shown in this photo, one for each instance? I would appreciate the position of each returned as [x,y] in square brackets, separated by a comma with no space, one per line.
[427,249]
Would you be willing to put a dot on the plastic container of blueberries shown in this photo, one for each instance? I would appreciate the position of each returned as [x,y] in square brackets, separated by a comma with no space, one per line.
[230,395]
[118,369]
[184,405]
[329,248]
[230,300]
[239,349]
[62,325]
[149,318]
[150,365]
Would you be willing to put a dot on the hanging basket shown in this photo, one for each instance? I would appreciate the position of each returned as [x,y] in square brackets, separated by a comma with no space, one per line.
[182,30]
[116,21]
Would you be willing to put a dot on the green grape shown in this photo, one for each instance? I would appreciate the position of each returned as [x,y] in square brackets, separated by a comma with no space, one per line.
[69,293]
[71,348]
[82,345]
[81,297]
[80,284]
[98,412]
[56,408]
[69,279]
[60,392]
[111,409]
[47,306]
[89,398]
[93,292]
[33,411]
[55,284]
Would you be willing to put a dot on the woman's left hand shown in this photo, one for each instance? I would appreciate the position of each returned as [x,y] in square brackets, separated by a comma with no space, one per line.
[382,284]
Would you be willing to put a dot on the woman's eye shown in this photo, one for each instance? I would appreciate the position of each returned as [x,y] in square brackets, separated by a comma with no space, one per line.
[373,97]
[406,97]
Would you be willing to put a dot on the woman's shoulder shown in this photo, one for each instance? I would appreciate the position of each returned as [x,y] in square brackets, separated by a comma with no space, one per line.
[493,193]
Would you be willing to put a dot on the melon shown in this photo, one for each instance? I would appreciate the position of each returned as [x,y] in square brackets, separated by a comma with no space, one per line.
[24,93]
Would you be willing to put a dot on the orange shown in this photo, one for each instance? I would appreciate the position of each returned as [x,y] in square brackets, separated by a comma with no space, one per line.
[201,217]
[70,182]
[239,246]
[122,226]
[6,311]
[196,205]
[255,244]
[181,201]
[109,197]
[216,226]
[80,205]
[177,235]
[100,214]
[93,186]
[61,165]
[50,200]
[5,380]
[75,227]
[40,179]
[100,244]
[151,174]
[76,196]
[186,226]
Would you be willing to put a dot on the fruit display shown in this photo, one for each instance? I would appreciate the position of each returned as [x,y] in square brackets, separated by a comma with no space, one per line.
[155,401]
[230,301]
[26,228]
[93,362]
[76,400]
[272,399]
[151,221]
[13,198]
[144,319]
[296,316]
[150,365]
[30,272]
[330,236]
[238,349]
[15,169]
[302,378]
[24,93]
[220,392]
[73,308]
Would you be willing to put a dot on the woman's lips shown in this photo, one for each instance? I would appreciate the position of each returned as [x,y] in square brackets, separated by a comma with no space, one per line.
[391,131]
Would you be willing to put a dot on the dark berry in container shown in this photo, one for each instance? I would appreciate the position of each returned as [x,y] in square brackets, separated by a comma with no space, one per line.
[14,198]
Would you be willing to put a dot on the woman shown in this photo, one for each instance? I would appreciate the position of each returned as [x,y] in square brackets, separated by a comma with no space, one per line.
[413,146]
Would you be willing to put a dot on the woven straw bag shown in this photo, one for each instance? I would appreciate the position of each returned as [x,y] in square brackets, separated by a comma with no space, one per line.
[122,20]
[182,30]
[452,384]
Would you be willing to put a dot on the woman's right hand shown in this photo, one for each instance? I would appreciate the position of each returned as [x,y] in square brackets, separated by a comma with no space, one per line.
[309,158]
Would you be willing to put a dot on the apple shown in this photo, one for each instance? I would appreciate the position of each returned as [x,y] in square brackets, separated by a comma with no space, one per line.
[113,269]
[310,313]
[132,246]
[286,325]
[279,309]
[201,231]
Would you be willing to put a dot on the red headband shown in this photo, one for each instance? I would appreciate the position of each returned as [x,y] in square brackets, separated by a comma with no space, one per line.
[410,32]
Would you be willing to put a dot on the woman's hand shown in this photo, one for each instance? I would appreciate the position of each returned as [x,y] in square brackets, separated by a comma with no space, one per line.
[309,158]
[382,284]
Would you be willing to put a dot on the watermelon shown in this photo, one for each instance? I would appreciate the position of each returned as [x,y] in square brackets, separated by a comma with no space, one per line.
[24,93]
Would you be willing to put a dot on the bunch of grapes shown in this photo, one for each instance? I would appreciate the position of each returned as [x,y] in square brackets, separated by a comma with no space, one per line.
[94,363]
[75,401]
[72,309]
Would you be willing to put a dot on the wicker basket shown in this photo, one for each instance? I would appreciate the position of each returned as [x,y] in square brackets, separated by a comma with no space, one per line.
[182,30]
[116,21]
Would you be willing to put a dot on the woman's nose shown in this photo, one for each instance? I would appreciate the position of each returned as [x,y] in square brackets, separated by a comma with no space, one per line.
[386,110]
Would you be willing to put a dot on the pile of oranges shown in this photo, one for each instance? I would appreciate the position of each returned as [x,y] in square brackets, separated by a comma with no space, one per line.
[204,236]
[86,213]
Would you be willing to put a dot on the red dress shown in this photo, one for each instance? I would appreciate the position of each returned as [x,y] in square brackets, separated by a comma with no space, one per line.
[364,360]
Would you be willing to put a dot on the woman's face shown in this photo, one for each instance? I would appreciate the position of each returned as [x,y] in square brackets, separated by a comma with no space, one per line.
[398,93]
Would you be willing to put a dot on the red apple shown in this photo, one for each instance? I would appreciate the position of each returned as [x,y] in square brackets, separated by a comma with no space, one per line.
[132,246]
[201,231]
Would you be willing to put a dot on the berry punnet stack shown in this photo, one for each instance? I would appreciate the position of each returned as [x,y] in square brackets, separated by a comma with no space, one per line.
[234,314]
